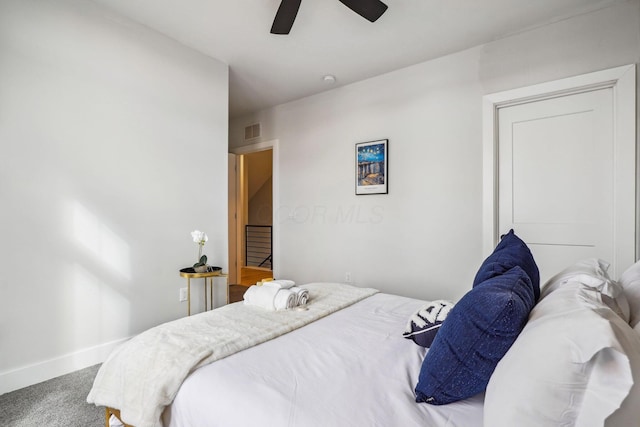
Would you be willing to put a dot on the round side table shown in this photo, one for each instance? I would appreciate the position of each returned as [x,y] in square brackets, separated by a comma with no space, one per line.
[208,281]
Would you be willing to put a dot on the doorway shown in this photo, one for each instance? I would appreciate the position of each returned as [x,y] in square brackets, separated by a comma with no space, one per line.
[252,232]
[257,214]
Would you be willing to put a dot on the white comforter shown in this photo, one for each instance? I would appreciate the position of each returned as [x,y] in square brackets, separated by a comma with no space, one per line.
[350,369]
[142,376]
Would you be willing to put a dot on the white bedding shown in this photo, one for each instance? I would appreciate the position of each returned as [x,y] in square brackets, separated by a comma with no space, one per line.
[352,368]
[141,377]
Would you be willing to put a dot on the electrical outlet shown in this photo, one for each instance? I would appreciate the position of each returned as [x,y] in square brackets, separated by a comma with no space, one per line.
[347,277]
[183,294]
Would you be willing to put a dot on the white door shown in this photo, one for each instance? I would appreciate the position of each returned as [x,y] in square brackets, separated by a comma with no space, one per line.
[559,162]
[555,162]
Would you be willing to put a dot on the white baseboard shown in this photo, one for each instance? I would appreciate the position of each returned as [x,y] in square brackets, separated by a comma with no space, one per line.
[42,371]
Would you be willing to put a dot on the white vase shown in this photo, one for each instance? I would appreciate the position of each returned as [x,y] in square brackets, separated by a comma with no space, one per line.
[201,269]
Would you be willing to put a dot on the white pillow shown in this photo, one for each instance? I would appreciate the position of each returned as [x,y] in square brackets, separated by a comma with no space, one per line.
[592,273]
[629,412]
[574,363]
[630,282]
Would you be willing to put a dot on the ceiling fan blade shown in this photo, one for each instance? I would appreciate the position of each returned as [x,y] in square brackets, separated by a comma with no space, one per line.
[368,9]
[285,16]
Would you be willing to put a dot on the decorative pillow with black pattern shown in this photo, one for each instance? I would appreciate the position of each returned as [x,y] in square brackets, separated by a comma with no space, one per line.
[425,323]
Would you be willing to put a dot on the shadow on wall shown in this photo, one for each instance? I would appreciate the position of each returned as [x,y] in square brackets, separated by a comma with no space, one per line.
[99,306]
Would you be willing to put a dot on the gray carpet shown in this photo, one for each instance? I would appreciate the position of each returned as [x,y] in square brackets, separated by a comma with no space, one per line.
[59,402]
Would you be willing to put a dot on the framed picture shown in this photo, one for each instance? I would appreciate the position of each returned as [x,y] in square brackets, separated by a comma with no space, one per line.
[372,167]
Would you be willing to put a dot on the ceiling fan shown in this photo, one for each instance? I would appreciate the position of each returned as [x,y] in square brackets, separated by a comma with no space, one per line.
[368,9]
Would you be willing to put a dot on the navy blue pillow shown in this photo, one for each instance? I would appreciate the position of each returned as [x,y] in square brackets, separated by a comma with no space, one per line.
[425,323]
[476,334]
[511,251]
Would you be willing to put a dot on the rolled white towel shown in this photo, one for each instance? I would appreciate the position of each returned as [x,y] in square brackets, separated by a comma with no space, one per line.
[302,295]
[261,296]
[285,299]
[280,284]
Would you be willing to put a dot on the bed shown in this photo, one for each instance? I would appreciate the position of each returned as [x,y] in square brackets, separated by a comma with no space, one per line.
[506,354]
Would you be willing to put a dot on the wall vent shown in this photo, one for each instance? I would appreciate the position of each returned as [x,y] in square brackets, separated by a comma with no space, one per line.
[252,131]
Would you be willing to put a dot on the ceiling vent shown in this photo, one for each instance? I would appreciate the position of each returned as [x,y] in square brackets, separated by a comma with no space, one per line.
[252,131]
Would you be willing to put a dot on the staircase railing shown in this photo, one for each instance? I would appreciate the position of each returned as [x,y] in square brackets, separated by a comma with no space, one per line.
[259,246]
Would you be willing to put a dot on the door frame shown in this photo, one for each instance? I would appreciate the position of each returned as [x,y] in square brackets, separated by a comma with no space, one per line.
[275,234]
[622,80]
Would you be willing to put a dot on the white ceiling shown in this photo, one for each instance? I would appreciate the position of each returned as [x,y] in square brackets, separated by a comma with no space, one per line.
[328,38]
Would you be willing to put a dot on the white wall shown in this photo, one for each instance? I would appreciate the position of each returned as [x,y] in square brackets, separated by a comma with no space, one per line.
[423,239]
[113,149]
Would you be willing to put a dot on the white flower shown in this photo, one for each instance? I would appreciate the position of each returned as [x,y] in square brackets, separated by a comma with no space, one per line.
[199,237]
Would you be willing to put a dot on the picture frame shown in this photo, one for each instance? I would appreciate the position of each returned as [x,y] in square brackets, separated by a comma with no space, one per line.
[372,167]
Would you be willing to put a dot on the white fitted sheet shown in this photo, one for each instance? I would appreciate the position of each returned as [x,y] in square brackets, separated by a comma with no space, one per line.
[352,368]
